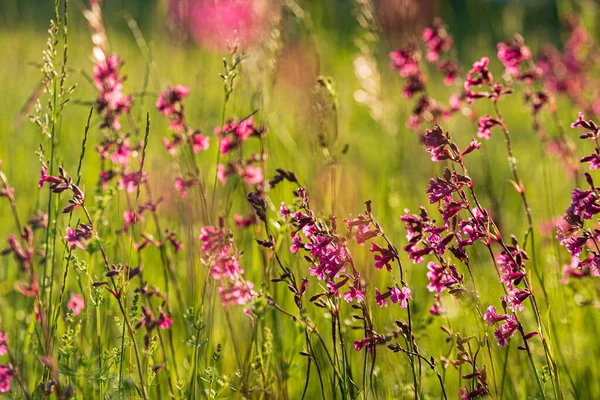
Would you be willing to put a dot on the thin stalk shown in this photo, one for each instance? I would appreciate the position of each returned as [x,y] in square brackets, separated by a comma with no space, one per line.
[122,309]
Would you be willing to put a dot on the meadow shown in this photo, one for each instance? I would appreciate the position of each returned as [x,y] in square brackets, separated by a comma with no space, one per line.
[303,200]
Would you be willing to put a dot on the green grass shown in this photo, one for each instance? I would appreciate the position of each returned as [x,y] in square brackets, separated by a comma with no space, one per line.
[384,163]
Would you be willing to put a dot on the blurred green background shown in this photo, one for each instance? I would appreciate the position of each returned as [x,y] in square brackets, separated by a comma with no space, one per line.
[384,161]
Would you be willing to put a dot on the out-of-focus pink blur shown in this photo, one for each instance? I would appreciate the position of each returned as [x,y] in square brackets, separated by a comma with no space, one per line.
[214,24]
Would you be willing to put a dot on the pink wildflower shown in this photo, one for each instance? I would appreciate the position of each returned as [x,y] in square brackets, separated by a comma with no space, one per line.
[5,378]
[3,343]
[76,304]
[253,175]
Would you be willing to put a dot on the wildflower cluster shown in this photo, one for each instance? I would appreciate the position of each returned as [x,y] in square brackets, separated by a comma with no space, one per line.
[585,205]
[223,258]
[407,62]
[170,104]
[327,251]
[111,101]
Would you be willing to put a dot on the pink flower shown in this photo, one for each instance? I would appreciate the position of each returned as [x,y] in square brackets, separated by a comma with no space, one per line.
[223,24]
[225,145]
[200,142]
[515,299]
[112,103]
[169,99]
[73,239]
[76,304]
[172,146]
[485,125]
[253,175]
[437,308]
[5,378]
[296,243]
[359,344]
[580,121]
[130,218]
[121,156]
[283,210]
[512,54]
[242,222]
[492,318]
[354,293]
[400,296]
[477,76]
[384,257]
[245,128]
[237,292]
[437,277]
[455,102]
[381,298]
[222,174]
[506,330]
[3,343]
[43,176]
[593,159]
[164,321]
[405,62]
[182,185]
[129,181]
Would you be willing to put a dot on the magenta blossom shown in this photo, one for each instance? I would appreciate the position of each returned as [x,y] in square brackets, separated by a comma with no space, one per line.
[5,378]
[405,61]
[76,304]
[506,330]
[73,239]
[400,296]
[354,293]
[112,103]
[253,175]
[512,54]
[169,99]
[199,142]
[43,176]
[384,258]
[3,343]
[485,125]
[164,321]
[492,318]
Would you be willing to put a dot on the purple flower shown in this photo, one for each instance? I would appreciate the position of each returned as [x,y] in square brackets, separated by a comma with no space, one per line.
[511,266]
[584,203]
[437,307]
[512,54]
[5,378]
[485,125]
[169,100]
[381,298]
[164,321]
[76,304]
[437,277]
[477,76]
[405,61]
[354,293]
[506,330]
[400,296]
[515,299]
[436,144]
[74,239]
[3,343]
[384,257]
[440,190]
[43,176]
[437,40]
[593,159]
[492,318]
